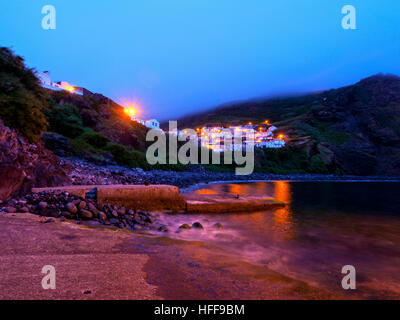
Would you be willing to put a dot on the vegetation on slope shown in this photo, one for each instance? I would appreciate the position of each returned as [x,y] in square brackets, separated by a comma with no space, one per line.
[22,99]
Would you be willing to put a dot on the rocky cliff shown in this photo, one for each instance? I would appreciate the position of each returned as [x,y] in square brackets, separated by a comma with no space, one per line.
[24,165]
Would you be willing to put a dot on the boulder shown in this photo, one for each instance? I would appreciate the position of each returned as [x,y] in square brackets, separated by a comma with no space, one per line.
[82,205]
[114,213]
[86,214]
[102,216]
[42,205]
[71,208]
[163,229]
[11,209]
[197,225]
[68,215]
[121,211]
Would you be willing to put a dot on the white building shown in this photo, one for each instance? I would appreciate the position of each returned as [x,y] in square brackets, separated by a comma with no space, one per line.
[46,82]
[44,78]
[152,124]
[64,85]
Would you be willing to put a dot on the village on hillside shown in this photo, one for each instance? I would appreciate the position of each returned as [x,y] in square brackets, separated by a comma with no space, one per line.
[220,139]
[217,139]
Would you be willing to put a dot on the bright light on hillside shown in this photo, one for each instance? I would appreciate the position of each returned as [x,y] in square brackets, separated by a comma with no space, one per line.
[130,111]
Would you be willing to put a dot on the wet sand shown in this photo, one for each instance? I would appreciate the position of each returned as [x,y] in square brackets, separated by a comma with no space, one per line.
[100,263]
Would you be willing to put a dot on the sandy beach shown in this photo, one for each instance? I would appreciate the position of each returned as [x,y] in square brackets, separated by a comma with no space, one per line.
[102,263]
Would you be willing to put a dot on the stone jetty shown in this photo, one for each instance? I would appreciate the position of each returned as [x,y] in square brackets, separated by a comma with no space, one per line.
[167,198]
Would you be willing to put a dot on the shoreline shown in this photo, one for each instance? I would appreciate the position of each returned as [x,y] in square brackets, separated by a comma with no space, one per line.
[202,184]
[86,173]
[154,267]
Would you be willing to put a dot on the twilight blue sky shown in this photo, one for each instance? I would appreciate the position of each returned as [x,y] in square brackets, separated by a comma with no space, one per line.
[174,57]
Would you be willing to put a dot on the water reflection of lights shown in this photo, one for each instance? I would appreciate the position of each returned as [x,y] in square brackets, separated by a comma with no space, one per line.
[237,189]
[205,191]
[276,223]
[283,217]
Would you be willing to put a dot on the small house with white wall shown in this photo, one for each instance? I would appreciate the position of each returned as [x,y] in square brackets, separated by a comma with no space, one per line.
[44,78]
[152,124]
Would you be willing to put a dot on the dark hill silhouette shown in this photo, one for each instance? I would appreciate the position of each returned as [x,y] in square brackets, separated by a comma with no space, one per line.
[355,129]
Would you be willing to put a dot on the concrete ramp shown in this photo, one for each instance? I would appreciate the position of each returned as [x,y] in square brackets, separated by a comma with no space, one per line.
[165,197]
[151,197]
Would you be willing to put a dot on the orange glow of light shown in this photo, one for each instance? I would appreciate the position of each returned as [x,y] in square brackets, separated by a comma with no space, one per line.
[283,217]
[70,89]
[130,111]
[205,191]
[266,122]
[280,136]
[250,123]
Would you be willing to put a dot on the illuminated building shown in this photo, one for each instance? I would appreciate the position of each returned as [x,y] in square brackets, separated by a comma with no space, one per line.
[220,139]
